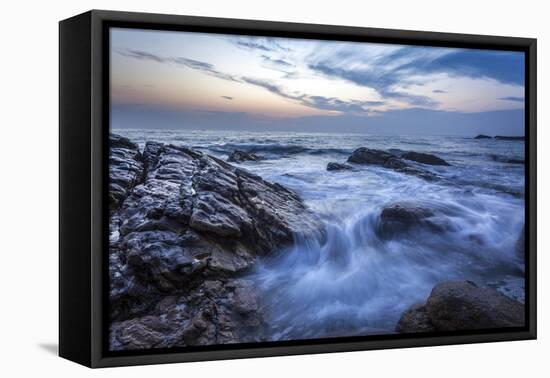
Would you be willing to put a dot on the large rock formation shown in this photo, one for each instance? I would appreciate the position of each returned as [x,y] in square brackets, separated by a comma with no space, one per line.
[184,231]
[462,305]
[368,156]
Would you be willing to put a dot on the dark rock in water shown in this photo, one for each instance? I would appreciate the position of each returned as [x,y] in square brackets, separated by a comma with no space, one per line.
[337,167]
[239,156]
[193,225]
[462,305]
[369,156]
[401,218]
[424,158]
[501,137]
[125,168]
[415,319]
[520,244]
[481,136]
[504,159]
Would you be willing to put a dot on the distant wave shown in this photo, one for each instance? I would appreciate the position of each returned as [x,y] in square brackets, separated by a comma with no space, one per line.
[277,149]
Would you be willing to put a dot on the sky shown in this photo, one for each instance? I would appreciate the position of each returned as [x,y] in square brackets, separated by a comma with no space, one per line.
[170,79]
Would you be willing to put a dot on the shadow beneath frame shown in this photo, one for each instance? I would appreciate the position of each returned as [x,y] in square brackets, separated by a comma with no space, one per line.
[51,348]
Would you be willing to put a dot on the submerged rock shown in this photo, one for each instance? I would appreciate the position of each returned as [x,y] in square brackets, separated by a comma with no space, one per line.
[401,218]
[424,158]
[481,136]
[388,160]
[191,226]
[239,156]
[462,305]
[332,166]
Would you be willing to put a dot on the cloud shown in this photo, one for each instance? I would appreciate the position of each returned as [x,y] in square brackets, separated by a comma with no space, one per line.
[189,63]
[279,62]
[392,72]
[317,102]
[262,44]
[253,46]
[439,91]
[512,98]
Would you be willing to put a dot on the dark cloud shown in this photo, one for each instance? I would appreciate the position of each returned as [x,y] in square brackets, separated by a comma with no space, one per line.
[512,98]
[252,46]
[439,91]
[227,97]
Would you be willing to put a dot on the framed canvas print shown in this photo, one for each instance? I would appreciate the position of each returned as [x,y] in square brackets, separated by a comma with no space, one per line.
[234,188]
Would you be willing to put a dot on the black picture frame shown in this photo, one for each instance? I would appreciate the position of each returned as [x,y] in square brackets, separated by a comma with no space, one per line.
[83,166]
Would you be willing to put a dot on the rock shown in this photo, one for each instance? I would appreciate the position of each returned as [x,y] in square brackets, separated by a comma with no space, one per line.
[370,156]
[424,158]
[481,136]
[125,168]
[462,305]
[338,167]
[500,137]
[239,156]
[190,228]
[415,319]
[215,312]
[400,218]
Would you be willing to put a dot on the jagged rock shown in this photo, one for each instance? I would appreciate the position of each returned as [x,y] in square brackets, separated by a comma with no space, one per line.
[482,136]
[462,305]
[239,156]
[424,158]
[192,225]
[337,167]
[385,159]
[125,168]
[401,218]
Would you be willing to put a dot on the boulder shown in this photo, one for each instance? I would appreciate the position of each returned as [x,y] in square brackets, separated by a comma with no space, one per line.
[460,306]
[423,158]
[400,218]
[481,136]
[388,160]
[332,166]
[239,156]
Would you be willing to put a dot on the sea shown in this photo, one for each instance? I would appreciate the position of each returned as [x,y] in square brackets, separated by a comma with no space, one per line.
[353,282]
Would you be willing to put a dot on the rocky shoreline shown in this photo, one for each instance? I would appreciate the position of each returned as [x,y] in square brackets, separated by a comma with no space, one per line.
[186,228]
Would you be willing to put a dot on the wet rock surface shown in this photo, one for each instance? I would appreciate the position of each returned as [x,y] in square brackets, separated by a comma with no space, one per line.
[398,219]
[368,156]
[462,305]
[423,158]
[332,166]
[239,156]
[184,232]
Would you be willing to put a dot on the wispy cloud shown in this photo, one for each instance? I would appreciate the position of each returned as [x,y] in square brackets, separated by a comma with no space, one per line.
[276,61]
[265,44]
[313,101]
[439,91]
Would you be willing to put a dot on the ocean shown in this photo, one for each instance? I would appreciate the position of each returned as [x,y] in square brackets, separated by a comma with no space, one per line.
[352,282]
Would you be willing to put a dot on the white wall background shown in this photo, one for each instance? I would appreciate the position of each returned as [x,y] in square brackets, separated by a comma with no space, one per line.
[29,189]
